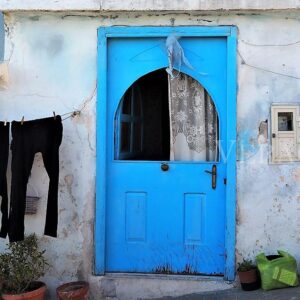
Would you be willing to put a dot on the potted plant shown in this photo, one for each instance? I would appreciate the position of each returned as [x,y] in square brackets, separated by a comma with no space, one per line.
[248,275]
[20,268]
[76,290]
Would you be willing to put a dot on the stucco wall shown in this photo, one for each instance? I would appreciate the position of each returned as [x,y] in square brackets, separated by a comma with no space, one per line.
[52,65]
[1,37]
[148,5]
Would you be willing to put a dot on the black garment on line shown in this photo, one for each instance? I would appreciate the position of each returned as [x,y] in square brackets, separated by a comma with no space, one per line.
[43,135]
[4,149]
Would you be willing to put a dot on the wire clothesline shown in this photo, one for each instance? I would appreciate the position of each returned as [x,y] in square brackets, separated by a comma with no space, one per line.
[78,112]
[269,45]
[244,62]
[73,113]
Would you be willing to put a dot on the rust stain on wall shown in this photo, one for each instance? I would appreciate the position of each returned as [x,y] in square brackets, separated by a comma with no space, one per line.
[296,174]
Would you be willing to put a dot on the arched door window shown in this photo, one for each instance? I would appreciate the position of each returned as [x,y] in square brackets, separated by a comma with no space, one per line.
[194,121]
[129,125]
[163,119]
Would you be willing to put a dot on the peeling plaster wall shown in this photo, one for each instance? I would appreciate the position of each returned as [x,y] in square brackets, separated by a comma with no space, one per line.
[1,37]
[52,65]
[149,5]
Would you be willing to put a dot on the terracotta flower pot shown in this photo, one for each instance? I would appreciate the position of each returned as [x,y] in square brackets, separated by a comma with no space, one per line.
[37,294]
[77,290]
[249,280]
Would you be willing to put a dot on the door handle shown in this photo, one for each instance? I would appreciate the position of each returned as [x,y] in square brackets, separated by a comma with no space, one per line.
[213,173]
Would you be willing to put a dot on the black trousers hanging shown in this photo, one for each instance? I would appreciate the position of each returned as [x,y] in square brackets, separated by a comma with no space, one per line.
[43,136]
[4,148]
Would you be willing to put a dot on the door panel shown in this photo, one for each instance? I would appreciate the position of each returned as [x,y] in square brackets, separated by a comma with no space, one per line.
[165,221]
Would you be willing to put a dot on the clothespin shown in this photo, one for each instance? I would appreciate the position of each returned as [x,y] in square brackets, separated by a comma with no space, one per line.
[5,123]
[54,115]
[22,121]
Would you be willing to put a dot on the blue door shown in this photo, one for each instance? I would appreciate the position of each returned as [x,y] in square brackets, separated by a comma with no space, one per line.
[162,215]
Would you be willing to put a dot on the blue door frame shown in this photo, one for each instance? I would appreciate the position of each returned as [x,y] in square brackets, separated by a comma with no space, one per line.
[105,33]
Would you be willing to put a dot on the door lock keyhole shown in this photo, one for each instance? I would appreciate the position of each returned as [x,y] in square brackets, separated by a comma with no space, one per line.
[164,167]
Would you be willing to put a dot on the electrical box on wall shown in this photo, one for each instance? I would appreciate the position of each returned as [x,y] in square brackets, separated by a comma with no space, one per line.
[285,133]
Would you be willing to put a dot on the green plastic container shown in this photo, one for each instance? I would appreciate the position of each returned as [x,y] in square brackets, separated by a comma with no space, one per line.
[277,271]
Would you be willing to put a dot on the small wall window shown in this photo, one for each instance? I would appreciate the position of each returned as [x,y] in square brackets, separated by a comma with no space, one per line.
[285,141]
[285,121]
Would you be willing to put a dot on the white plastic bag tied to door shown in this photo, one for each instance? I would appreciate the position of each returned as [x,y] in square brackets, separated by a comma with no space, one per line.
[176,55]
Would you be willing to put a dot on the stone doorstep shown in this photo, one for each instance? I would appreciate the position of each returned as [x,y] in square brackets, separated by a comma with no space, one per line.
[124,286]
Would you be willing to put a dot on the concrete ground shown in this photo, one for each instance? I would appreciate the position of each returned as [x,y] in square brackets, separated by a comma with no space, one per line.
[124,286]
[118,286]
[238,294]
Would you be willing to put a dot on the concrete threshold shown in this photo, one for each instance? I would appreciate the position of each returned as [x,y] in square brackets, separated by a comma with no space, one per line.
[165,276]
[129,286]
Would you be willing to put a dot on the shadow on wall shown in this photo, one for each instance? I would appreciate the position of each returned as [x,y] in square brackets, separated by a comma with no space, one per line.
[1,37]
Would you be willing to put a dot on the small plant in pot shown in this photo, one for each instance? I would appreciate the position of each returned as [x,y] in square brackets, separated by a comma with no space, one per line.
[248,275]
[20,268]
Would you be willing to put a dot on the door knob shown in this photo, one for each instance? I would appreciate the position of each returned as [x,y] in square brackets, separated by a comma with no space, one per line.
[164,167]
[213,173]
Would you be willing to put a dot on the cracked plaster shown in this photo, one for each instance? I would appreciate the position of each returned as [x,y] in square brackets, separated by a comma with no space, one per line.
[62,80]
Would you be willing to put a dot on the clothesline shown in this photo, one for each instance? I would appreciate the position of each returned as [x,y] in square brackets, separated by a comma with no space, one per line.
[244,62]
[74,113]
[71,114]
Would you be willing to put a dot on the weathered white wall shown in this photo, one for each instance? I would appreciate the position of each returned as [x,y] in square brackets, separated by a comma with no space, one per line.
[150,5]
[52,64]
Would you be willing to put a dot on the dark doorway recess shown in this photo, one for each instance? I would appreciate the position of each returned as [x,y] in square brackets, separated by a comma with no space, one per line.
[143,118]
